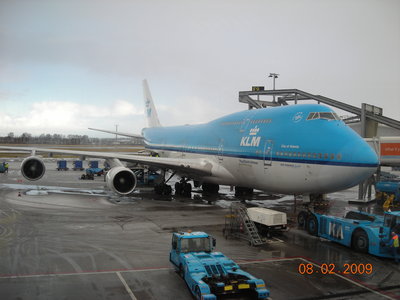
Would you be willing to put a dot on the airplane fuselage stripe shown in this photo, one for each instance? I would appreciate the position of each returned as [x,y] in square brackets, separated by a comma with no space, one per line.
[246,156]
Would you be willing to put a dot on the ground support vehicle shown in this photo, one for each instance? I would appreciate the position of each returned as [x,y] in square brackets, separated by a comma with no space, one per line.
[364,232]
[2,168]
[87,176]
[94,171]
[388,189]
[267,220]
[78,165]
[145,176]
[62,165]
[93,164]
[210,274]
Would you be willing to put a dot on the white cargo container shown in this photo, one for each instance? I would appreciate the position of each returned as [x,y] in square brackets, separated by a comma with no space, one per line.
[267,220]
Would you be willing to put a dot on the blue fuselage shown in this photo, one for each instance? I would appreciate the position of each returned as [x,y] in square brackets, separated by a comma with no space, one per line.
[288,137]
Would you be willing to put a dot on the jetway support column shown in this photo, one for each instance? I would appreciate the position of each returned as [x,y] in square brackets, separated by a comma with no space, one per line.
[369,129]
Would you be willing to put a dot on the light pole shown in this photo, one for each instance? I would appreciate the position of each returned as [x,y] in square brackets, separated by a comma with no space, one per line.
[274,76]
[116,134]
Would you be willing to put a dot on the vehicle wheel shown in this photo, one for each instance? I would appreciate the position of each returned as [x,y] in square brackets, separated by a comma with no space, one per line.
[360,241]
[312,225]
[302,219]
[181,271]
[197,292]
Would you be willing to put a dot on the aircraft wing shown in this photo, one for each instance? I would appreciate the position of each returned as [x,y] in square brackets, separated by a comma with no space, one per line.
[200,167]
[138,136]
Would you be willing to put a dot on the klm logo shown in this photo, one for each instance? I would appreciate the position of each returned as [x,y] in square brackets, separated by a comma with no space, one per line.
[148,108]
[252,140]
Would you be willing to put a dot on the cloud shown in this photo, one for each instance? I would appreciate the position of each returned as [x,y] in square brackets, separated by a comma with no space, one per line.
[66,117]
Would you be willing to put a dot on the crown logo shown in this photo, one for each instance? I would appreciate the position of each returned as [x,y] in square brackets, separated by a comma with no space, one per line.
[254,131]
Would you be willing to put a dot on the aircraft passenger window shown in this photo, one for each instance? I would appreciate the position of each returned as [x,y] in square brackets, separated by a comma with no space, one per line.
[332,156]
[326,156]
[309,155]
[319,155]
[339,156]
[304,155]
[294,154]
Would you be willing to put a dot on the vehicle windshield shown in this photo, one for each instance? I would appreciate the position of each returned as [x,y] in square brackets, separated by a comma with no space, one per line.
[391,220]
[196,245]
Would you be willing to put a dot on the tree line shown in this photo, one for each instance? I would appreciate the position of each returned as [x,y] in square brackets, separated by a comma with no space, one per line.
[60,139]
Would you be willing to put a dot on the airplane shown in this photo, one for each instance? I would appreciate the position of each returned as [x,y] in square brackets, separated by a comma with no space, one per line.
[303,149]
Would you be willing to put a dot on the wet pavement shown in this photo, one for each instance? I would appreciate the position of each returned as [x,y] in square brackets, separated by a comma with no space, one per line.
[71,239]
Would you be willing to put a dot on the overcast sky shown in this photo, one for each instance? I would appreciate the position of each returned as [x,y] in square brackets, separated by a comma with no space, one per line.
[68,65]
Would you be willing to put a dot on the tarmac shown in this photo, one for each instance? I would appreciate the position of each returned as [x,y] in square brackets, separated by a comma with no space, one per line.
[66,238]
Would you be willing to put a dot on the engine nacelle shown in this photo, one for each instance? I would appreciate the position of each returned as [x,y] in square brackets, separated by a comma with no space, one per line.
[32,168]
[121,180]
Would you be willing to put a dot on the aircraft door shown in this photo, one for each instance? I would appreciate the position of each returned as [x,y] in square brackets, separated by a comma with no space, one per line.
[245,124]
[268,146]
[221,151]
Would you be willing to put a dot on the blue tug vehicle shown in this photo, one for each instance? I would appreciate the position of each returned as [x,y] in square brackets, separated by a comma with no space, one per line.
[211,274]
[364,232]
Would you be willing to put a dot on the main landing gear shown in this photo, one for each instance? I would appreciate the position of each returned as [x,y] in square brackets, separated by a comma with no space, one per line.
[183,188]
[210,188]
[243,191]
[163,188]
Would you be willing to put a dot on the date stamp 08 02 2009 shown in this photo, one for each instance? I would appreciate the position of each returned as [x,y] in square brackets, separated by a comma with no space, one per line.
[347,269]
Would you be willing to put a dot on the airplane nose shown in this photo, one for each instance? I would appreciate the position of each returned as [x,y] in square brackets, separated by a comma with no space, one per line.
[361,154]
[362,162]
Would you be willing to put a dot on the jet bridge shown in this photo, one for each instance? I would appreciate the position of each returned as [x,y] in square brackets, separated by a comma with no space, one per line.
[368,115]
[365,113]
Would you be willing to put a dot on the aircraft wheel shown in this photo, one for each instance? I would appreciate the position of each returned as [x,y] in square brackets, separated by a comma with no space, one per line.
[178,188]
[312,225]
[167,190]
[302,219]
[210,188]
[360,241]
[187,189]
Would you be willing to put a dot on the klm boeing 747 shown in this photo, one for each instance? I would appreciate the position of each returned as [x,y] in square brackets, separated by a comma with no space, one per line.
[297,149]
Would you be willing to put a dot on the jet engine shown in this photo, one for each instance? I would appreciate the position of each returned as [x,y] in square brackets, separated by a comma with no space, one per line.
[32,168]
[121,180]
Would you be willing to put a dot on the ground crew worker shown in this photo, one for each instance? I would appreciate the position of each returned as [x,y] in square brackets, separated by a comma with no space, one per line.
[6,167]
[388,203]
[394,244]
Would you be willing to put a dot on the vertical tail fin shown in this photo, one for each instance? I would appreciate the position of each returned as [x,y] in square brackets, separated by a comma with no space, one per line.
[150,109]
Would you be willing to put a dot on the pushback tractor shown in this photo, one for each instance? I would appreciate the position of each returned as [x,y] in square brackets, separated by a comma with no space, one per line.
[364,232]
[211,274]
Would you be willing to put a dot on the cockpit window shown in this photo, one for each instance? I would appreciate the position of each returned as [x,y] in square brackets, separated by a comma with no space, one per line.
[323,115]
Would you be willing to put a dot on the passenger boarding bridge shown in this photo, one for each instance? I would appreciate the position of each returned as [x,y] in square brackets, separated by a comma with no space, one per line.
[387,148]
